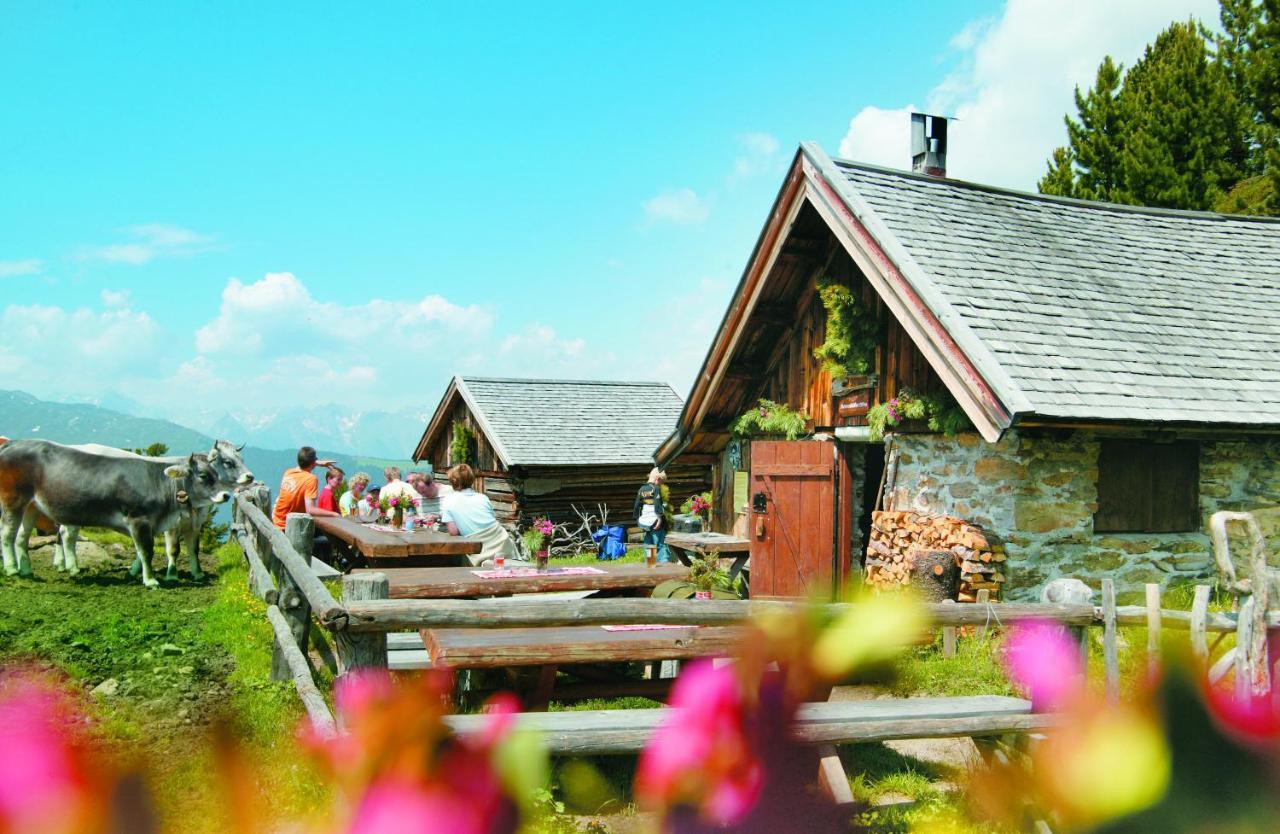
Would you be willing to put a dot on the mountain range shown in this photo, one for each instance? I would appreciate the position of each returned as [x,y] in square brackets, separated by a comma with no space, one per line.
[22,415]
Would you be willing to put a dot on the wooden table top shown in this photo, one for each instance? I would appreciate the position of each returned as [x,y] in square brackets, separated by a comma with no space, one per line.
[705,542]
[450,583]
[498,648]
[379,544]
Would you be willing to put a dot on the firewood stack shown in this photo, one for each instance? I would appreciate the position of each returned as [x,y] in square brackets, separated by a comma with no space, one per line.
[900,537]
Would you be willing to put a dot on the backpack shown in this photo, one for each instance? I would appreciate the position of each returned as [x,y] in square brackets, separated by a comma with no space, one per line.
[611,542]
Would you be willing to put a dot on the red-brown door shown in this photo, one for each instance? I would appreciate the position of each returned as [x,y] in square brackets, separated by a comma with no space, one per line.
[794,551]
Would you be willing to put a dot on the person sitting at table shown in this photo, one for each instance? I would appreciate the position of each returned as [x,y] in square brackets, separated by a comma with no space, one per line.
[430,494]
[396,488]
[353,501]
[299,490]
[469,514]
[332,486]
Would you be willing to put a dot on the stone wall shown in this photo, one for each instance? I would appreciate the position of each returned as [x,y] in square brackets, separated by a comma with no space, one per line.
[1038,491]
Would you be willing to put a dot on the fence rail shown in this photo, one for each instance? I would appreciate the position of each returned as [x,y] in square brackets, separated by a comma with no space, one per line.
[280,573]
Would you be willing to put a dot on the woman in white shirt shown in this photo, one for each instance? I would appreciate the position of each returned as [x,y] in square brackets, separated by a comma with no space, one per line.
[469,514]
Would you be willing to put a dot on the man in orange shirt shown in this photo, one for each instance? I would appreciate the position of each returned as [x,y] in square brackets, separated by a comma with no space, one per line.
[299,490]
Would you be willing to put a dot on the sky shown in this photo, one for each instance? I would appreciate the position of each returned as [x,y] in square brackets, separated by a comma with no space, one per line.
[212,209]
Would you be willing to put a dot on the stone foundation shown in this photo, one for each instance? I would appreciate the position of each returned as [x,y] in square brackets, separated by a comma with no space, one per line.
[1038,492]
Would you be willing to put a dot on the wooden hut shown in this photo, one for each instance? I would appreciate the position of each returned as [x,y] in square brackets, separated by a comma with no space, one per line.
[543,446]
[1100,379]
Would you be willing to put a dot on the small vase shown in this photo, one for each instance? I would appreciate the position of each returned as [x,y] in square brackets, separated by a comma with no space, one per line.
[542,557]
[702,595]
[397,517]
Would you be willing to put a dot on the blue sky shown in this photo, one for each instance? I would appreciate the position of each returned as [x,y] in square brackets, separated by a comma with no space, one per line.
[237,209]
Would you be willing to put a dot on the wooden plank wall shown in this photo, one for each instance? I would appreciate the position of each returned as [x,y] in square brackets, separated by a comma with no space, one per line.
[554,491]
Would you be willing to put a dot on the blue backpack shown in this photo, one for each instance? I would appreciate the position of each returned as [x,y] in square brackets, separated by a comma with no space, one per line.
[611,543]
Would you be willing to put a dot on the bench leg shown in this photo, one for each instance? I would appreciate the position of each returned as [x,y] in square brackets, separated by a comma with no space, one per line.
[831,775]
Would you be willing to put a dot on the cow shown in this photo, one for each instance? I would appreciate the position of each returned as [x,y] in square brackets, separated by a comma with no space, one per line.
[72,487]
[226,461]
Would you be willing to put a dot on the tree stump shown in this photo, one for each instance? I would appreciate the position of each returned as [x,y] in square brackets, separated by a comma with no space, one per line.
[935,575]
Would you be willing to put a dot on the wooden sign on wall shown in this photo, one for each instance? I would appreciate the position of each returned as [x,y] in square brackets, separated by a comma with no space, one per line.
[855,404]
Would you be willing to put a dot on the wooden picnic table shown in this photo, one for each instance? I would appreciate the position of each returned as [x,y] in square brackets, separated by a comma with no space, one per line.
[421,548]
[458,583]
[684,544]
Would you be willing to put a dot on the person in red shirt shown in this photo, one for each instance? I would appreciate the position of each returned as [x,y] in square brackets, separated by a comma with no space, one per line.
[298,489]
[329,495]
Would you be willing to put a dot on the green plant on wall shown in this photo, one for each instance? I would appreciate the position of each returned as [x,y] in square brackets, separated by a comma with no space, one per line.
[853,331]
[461,445]
[768,417]
[940,410]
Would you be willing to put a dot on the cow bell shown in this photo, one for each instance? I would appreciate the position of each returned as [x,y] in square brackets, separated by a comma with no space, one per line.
[182,496]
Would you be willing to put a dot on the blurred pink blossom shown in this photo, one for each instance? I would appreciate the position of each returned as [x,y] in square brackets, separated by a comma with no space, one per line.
[700,754]
[1253,719]
[1042,658]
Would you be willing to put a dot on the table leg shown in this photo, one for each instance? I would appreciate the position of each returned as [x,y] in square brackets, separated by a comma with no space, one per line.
[543,689]
[683,555]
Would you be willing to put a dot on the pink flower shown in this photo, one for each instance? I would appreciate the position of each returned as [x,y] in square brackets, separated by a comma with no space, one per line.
[700,754]
[401,806]
[393,501]
[359,691]
[1043,659]
[1253,720]
[44,778]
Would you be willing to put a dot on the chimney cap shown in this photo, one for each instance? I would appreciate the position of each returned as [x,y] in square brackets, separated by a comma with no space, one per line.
[929,144]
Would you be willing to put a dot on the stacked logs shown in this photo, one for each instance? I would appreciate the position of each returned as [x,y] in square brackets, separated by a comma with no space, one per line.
[902,538]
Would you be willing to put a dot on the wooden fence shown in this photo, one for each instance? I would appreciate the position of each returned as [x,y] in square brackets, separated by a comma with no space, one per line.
[281,574]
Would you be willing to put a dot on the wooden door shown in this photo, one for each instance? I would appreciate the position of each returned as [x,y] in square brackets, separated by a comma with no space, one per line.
[793,527]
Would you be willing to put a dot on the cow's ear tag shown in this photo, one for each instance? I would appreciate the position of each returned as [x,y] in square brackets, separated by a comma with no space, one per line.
[176,471]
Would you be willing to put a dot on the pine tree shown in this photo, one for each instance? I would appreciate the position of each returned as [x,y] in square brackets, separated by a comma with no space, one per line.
[1060,179]
[1184,141]
[1089,166]
[1095,139]
[1248,48]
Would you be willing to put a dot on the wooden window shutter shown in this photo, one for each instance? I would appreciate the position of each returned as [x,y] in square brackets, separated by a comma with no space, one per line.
[1148,487]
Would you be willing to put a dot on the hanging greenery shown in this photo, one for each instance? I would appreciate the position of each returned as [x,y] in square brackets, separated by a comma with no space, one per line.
[460,446]
[940,410]
[768,417]
[852,331]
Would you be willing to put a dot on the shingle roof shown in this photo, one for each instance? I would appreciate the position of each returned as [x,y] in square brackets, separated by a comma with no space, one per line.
[1089,310]
[541,422]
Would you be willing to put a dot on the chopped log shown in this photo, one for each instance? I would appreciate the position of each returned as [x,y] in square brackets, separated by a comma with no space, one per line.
[934,575]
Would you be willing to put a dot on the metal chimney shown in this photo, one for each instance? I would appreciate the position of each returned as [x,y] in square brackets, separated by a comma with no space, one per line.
[929,144]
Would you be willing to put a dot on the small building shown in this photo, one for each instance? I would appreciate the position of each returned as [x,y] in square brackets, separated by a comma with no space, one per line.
[1111,375]
[542,447]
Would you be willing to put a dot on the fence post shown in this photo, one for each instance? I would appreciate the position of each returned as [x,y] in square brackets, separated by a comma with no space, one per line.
[1153,628]
[1110,650]
[363,649]
[984,599]
[1199,613]
[260,496]
[300,530]
[949,637]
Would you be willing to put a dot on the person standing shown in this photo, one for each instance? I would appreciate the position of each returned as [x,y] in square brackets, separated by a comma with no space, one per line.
[299,490]
[650,512]
[332,484]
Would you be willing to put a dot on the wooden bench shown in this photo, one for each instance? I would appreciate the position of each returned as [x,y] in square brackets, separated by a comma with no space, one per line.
[593,652]
[626,731]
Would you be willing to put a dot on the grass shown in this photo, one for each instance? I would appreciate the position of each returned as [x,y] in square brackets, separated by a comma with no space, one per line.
[184,660]
[588,557]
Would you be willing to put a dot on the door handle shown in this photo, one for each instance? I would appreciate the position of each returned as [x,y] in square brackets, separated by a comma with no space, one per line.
[760,528]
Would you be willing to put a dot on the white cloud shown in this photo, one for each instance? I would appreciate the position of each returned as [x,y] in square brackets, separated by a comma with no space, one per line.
[880,137]
[679,205]
[46,348]
[276,314]
[28,266]
[758,154]
[1014,83]
[539,346]
[115,298]
[151,241]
